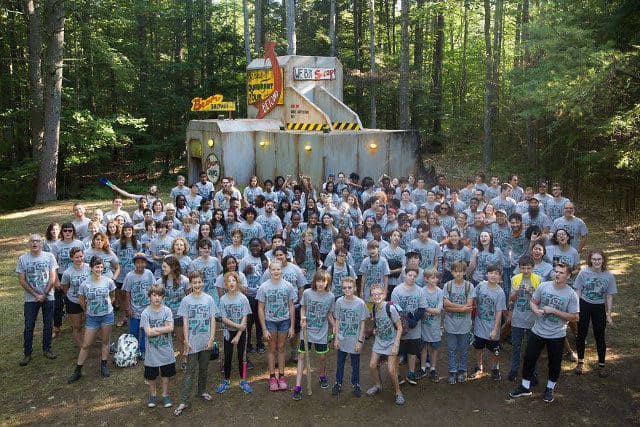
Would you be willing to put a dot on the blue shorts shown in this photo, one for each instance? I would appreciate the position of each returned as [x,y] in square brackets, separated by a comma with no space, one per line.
[281,326]
[320,348]
[434,345]
[95,322]
[480,343]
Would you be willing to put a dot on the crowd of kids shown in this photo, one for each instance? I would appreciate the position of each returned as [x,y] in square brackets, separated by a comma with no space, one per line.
[393,262]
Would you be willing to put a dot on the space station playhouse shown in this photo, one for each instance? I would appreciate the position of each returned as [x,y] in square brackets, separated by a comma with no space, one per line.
[297,124]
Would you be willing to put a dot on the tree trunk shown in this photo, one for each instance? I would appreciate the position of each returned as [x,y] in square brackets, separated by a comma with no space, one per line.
[47,183]
[332,28]
[418,47]
[486,137]
[32,14]
[436,94]
[357,51]
[517,49]
[258,43]
[291,27]
[403,122]
[495,72]
[372,67]
[463,78]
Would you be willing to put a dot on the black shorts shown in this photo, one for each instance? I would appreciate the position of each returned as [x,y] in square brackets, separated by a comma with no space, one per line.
[165,371]
[480,343]
[319,348]
[296,325]
[410,347]
[71,307]
[178,321]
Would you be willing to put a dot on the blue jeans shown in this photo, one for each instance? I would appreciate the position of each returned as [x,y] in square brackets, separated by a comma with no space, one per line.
[138,332]
[506,283]
[457,344]
[517,335]
[355,367]
[30,315]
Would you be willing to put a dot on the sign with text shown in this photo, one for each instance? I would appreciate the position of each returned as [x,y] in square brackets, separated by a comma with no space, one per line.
[305,73]
[212,103]
[260,84]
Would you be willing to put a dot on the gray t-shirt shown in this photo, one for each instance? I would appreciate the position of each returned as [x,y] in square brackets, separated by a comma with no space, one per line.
[595,285]
[82,228]
[489,302]
[159,348]
[458,323]
[61,251]
[563,299]
[318,306]
[276,297]
[483,260]
[575,227]
[73,277]
[138,285]
[97,295]
[109,260]
[375,274]
[210,268]
[337,274]
[429,250]
[398,255]
[431,331]
[173,295]
[125,257]
[349,314]
[522,316]
[200,312]
[234,308]
[450,255]
[385,329]
[253,278]
[37,270]
[409,299]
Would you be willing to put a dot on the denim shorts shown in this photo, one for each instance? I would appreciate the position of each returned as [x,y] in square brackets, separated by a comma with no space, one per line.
[281,326]
[95,322]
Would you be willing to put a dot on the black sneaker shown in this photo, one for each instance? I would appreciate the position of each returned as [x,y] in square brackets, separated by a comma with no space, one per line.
[250,349]
[261,348]
[411,378]
[495,375]
[337,388]
[548,395]
[25,360]
[104,370]
[324,383]
[434,376]
[357,391]
[250,365]
[297,393]
[421,373]
[520,392]
[74,377]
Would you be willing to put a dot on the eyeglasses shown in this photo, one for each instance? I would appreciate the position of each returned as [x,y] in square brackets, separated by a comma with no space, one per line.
[35,241]
[67,230]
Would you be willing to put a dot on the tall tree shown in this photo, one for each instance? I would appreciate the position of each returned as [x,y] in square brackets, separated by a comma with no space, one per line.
[291,27]
[488,88]
[47,175]
[32,14]
[258,42]
[436,91]
[247,33]
[372,66]
[403,91]
[463,66]
[332,28]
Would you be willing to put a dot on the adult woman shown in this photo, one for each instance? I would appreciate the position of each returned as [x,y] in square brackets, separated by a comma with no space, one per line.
[438,233]
[595,286]
[354,209]
[95,296]
[100,247]
[251,191]
[61,250]
[51,237]
[71,280]
[219,225]
[483,256]
[541,268]
[453,251]
[182,209]
[157,209]
[229,264]
[112,232]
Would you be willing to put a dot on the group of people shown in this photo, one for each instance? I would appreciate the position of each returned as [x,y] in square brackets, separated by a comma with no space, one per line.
[354,259]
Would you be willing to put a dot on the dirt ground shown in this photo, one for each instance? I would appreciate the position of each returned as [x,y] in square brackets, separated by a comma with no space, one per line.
[38,394]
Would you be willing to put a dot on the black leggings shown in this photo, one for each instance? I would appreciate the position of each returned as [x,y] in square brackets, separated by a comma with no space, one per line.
[228,353]
[252,319]
[596,313]
[535,344]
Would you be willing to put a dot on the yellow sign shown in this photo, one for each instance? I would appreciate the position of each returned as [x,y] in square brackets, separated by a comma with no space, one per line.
[212,103]
[260,85]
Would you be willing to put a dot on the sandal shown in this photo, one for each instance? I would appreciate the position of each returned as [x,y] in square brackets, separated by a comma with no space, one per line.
[206,396]
[578,368]
[180,409]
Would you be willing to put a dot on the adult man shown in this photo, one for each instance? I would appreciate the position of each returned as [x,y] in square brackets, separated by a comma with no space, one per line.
[542,195]
[504,200]
[115,211]
[269,221]
[533,216]
[222,202]
[573,225]
[80,221]
[518,192]
[555,206]
[179,189]
[555,304]
[205,187]
[441,186]
[523,206]
[37,275]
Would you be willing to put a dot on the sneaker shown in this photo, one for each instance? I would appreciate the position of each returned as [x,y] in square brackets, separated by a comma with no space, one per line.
[152,402]
[477,372]
[50,355]
[578,369]
[25,360]
[104,370]
[244,386]
[451,379]
[250,365]
[411,378]
[282,384]
[401,380]
[434,376]
[324,383]
[166,402]
[421,373]
[374,390]
[74,377]
[495,375]
[297,393]
[548,395]
[112,349]
[251,349]
[273,384]
[520,392]
[462,376]
[357,391]
[261,348]
[400,399]
[337,388]
[224,386]
[512,376]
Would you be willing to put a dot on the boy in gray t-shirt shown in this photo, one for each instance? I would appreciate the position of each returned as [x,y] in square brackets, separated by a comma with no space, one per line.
[157,322]
[388,330]
[490,303]
[430,334]
[136,286]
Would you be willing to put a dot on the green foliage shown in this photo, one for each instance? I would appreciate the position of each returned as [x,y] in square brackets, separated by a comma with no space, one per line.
[17,186]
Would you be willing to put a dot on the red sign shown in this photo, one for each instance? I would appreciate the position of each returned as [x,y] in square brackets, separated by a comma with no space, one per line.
[265,105]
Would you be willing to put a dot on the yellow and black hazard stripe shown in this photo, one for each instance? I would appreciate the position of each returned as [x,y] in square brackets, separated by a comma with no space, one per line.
[305,126]
[345,126]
